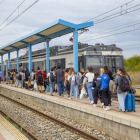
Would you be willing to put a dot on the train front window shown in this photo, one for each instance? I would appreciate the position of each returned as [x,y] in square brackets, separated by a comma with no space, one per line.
[94,61]
[114,62]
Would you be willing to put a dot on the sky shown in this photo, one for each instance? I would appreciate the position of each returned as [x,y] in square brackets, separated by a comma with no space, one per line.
[75,11]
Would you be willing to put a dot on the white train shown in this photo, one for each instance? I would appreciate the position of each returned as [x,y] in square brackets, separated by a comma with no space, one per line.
[88,55]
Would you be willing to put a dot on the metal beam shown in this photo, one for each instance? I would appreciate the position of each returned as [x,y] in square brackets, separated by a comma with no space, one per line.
[9,60]
[60,33]
[4,50]
[24,42]
[41,35]
[30,58]
[13,47]
[2,65]
[75,50]
[84,25]
[17,60]
[47,60]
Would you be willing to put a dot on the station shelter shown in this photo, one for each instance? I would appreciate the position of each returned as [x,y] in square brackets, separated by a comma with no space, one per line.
[47,33]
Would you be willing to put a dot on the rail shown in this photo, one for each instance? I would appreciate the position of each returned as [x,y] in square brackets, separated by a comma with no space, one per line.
[76,130]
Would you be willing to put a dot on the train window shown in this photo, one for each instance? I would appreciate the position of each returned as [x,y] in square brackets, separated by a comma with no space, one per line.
[94,61]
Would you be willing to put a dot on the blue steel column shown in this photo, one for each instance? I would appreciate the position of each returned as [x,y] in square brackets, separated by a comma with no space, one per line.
[9,60]
[75,53]
[75,50]
[2,65]
[17,60]
[30,58]
[47,60]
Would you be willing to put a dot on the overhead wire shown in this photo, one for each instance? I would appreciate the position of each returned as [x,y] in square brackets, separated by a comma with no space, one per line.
[116,29]
[108,11]
[1,1]
[18,14]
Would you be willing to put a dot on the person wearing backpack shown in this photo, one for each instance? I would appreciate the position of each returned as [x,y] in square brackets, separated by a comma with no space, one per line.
[71,79]
[51,80]
[11,77]
[89,79]
[59,73]
[122,84]
[25,75]
[105,89]
[16,78]
[21,78]
[39,79]
[67,83]
[96,86]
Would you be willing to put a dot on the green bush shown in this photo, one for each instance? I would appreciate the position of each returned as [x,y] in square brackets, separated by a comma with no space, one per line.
[132,64]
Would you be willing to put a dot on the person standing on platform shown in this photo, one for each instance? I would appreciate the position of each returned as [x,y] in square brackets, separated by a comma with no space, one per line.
[96,86]
[8,77]
[21,78]
[121,95]
[105,88]
[39,79]
[44,77]
[67,83]
[51,79]
[16,78]
[89,78]
[71,79]
[55,81]
[0,76]
[25,75]
[11,77]
[59,73]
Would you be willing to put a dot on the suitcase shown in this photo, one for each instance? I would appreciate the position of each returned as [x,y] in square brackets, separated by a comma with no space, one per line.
[130,102]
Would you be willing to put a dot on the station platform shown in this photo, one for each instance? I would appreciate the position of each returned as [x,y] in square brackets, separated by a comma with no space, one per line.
[9,132]
[81,110]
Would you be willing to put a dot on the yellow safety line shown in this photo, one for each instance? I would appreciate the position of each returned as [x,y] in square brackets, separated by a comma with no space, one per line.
[15,132]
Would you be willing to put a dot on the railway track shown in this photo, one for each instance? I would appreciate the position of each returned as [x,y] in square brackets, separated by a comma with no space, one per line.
[69,127]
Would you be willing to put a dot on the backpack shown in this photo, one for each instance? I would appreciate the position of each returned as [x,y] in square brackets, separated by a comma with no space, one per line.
[34,77]
[78,80]
[47,81]
[39,76]
[16,75]
[98,82]
[124,84]
[52,78]
[19,77]
[27,73]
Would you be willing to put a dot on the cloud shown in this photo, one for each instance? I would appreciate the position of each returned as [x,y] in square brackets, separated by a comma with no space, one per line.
[76,11]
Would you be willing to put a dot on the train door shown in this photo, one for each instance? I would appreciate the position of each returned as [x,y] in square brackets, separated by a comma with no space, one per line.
[80,62]
[111,63]
[114,62]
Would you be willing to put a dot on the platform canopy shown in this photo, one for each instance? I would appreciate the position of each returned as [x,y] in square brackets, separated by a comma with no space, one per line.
[53,30]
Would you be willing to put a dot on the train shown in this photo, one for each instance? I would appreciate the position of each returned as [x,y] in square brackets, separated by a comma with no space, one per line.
[96,56]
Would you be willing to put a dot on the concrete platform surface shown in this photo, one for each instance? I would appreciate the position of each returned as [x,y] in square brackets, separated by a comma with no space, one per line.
[127,118]
[9,132]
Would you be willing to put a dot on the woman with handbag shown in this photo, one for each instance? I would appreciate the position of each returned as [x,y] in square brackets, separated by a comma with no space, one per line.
[71,79]
[67,83]
[89,80]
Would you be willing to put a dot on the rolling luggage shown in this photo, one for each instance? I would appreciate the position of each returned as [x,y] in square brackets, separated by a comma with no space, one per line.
[130,102]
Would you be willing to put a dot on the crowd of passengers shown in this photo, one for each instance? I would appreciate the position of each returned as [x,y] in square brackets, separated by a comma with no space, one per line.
[96,84]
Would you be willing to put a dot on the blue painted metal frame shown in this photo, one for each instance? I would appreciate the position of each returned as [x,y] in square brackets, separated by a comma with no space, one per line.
[2,65]
[9,60]
[61,22]
[30,58]
[47,60]
[75,50]
[17,60]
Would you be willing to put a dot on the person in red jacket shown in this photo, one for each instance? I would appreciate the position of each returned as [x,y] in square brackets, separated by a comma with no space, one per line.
[39,78]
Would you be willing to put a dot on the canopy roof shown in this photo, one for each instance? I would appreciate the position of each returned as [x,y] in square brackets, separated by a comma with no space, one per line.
[53,30]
